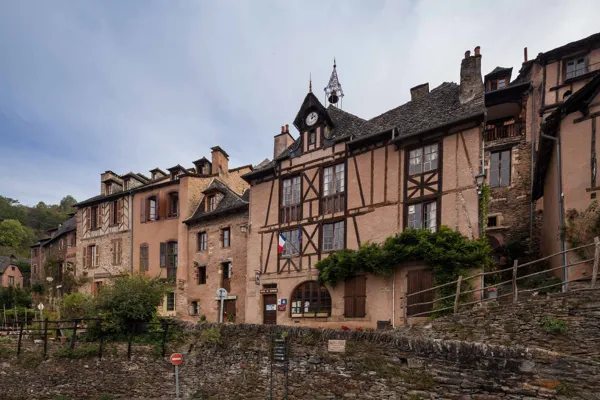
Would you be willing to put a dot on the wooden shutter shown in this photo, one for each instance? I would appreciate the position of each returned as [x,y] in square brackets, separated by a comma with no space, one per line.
[119,253]
[163,254]
[85,251]
[159,209]
[99,215]
[143,209]
[88,213]
[97,256]
[349,297]
[119,211]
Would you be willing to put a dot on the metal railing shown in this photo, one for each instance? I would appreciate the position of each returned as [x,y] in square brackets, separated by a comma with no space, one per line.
[515,291]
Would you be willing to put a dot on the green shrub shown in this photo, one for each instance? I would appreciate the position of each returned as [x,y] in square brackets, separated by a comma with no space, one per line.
[212,336]
[76,305]
[86,351]
[554,325]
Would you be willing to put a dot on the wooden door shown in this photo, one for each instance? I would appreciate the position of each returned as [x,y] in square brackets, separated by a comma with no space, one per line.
[419,280]
[270,309]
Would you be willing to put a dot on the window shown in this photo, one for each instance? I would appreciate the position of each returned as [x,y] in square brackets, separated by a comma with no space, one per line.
[493,85]
[227,273]
[116,252]
[108,188]
[91,256]
[333,180]
[11,281]
[34,253]
[115,212]
[501,83]
[312,137]
[173,204]
[292,242]
[97,287]
[95,217]
[355,295]
[311,299]
[211,203]
[171,301]
[500,168]
[202,241]
[194,308]
[61,244]
[201,275]
[168,258]
[423,159]
[492,222]
[423,216]
[152,208]
[291,191]
[225,234]
[144,257]
[575,67]
[333,236]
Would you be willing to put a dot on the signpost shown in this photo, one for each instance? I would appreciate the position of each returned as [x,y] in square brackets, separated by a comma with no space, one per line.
[221,295]
[176,359]
[41,308]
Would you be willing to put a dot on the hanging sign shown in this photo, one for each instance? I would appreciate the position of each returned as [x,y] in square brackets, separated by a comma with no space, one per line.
[268,291]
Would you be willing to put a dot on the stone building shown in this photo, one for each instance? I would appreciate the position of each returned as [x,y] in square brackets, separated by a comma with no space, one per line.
[10,274]
[568,79]
[346,181]
[104,238]
[160,206]
[217,233]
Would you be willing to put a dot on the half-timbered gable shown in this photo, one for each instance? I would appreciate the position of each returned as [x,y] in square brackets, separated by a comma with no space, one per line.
[345,181]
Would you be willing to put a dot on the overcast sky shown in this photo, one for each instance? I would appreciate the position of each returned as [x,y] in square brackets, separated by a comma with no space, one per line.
[129,85]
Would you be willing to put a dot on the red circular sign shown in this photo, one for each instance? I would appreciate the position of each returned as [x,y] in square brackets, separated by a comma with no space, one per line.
[176,358]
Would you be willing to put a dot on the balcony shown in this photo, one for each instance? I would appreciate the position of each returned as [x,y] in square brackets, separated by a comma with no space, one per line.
[333,203]
[503,130]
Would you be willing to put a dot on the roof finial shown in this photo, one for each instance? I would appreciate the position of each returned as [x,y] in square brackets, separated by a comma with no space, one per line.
[334,63]
[310,83]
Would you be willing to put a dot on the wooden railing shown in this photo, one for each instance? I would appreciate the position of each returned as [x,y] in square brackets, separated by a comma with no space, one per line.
[290,213]
[333,203]
[496,132]
[515,291]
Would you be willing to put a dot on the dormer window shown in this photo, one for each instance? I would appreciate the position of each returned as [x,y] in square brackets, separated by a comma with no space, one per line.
[496,84]
[154,175]
[211,203]
[126,184]
[575,67]
[108,188]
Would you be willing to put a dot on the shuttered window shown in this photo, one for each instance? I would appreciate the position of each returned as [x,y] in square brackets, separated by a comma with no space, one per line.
[163,255]
[95,218]
[202,241]
[144,257]
[116,252]
[355,295]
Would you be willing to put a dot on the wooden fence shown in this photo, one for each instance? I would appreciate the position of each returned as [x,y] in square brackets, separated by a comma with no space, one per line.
[514,293]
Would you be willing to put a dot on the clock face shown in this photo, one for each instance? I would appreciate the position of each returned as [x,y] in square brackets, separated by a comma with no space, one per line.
[312,118]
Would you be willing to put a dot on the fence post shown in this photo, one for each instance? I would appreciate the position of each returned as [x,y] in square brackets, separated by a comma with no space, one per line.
[74,338]
[596,260]
[514,282]
[45,337]
[20,340]
[457,294]
[164,339]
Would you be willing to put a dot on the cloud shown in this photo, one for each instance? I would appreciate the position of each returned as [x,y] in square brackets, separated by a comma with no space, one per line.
[128,86]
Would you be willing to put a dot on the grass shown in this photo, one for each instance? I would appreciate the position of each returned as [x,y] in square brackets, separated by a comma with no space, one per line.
[6,340]
[420,379]
[5,352]
[86,351]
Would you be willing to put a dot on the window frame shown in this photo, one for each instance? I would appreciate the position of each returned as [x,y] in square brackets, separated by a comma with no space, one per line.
[498,168]
[149,201]
[575,74]
[423,214]
[11,281]
[95,218]
[170,212]
[290,198]
[226,232]
[298,304]
[167,301]
[172,254]
[290,244]
[114,213]
[211,202]
[201,241]
[202,276]
[335,228]
[412,170]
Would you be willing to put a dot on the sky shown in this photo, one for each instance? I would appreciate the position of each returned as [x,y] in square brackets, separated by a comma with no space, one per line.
[88,86]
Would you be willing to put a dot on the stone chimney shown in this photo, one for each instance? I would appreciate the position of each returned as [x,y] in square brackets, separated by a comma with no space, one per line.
[282,141]
[419,91]
[220,161]
[471,82]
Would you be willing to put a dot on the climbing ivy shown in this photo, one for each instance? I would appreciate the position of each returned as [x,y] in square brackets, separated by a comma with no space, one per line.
[484,202]
[582,227]
[446,251]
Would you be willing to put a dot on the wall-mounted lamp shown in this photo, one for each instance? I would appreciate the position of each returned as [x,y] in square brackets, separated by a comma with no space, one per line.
[479,179]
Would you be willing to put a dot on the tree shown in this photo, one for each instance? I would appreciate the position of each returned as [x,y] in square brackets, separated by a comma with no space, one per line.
[12,234]
[11,209]
[67,203]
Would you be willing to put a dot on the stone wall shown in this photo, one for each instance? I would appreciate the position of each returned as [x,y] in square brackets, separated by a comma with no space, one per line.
[493,354]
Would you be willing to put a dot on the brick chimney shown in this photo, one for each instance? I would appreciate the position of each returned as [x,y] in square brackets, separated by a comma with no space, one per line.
[471,82]
[419,91]
[282,141]
[220,161]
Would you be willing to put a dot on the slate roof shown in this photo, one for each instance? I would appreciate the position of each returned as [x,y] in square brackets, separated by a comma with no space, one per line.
[499,70]
[440,107]
[5,261]
[345,124]
[231,201]
[68,226]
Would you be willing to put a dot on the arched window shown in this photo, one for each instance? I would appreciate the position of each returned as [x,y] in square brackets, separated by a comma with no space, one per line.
[311,299]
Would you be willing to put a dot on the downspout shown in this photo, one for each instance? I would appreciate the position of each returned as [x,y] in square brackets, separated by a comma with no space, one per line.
[532,206]
[481,222]
[561,212]
[394,300]
[131,233]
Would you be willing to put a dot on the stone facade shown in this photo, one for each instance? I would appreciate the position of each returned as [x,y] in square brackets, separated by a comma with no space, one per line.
[485,355]
[214,260]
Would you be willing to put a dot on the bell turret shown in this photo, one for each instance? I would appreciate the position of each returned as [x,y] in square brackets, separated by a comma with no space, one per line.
[333,90]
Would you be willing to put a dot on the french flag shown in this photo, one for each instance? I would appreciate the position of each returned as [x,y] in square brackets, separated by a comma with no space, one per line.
[281,244]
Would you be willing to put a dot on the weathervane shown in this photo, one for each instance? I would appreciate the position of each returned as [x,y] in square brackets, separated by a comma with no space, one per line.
[333,90]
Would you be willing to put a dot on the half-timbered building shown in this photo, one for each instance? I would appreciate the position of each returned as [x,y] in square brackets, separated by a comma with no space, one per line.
[346,181]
